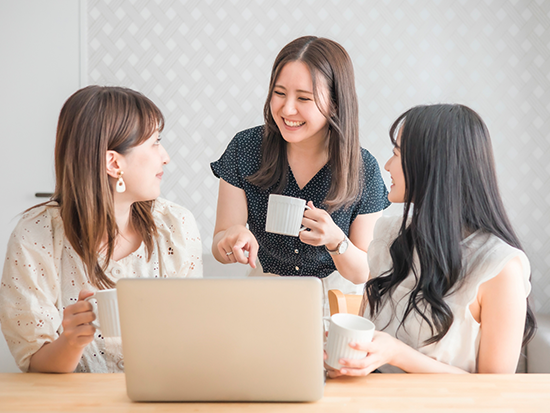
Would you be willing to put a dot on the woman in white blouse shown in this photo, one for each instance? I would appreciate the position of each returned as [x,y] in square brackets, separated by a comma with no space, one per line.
[104,222]
[448,280]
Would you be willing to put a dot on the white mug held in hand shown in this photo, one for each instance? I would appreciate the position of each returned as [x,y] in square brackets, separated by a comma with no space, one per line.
[284,215]
[106,312]
[343,329]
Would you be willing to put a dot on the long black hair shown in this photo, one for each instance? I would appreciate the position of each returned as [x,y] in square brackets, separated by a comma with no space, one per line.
[450,177]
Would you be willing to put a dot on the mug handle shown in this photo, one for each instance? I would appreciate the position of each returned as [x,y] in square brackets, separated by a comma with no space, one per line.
[302,228]
[94,323]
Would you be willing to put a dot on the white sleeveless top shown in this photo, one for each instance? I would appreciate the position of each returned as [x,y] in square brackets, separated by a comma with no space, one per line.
[484,257]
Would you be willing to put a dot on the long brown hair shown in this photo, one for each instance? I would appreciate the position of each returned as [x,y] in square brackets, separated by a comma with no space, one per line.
[326,58]
[92,121]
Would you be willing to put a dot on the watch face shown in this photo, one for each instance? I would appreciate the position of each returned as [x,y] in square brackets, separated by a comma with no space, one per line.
[343,246]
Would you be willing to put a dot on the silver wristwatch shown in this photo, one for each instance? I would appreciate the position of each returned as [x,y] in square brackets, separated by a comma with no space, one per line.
[340,248]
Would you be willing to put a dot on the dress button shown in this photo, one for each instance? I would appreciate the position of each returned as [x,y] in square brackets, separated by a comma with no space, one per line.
[120,364]
[296,251]
[297,268]
[116,271]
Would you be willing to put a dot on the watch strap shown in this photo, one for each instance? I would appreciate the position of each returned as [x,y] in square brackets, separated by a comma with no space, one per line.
[336,251]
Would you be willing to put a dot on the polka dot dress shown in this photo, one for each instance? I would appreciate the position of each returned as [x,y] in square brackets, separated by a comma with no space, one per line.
[282,254]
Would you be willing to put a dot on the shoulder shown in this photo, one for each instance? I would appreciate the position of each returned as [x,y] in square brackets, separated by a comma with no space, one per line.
[49,210]
[385,232]
[374,184]
[374,194]
[489,251]
[175,224]
[244,142]
[488,256]
[387,228]
[371,169]
[241,157]
[179,240]
[510,278]
[250,137]
[367,156]
[369,162]
[503,296]
[167,211]
[37,242]
[38,223]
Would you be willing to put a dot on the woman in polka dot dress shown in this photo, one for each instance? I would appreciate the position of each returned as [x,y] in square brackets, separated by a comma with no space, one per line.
[104,222]
[308,148]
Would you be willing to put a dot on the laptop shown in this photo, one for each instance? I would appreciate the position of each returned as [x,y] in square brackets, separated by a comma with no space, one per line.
[249,339]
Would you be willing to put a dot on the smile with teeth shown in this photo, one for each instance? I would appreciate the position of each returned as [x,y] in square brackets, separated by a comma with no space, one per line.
[292,123]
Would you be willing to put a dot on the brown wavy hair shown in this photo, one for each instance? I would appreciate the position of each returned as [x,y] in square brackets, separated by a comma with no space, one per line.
[92,121]
[326,58]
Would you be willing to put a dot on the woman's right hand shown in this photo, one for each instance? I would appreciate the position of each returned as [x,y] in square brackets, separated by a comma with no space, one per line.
[235,241]
[63,354]
[77,330]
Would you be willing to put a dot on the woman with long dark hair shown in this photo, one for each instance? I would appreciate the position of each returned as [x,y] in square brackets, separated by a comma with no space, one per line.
[104,222]
[449,279]
[308,148]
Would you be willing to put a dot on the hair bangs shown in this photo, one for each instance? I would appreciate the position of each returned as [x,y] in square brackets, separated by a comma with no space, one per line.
[149,119]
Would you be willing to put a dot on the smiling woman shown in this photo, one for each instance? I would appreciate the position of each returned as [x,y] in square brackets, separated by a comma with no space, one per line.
[295,109]
[309,149]
[104,222]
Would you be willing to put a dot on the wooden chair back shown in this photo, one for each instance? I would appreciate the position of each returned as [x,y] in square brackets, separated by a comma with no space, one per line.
[344,303]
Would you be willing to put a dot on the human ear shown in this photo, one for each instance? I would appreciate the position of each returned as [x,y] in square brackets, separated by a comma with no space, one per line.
[114,164]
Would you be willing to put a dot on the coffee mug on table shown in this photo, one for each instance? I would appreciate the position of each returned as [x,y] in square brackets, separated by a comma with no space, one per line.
[106,312]
[284,215]
[343,329]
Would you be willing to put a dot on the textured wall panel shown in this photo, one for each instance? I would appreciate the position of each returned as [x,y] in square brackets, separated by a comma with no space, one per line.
[207,65]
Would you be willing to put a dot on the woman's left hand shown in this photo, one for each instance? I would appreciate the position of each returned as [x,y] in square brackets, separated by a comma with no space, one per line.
[322,229]
[383,349]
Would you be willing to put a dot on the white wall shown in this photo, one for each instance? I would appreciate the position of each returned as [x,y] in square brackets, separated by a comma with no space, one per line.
[207,65]
[40,52]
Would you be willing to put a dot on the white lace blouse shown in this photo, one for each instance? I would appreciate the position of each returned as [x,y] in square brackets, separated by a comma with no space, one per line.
[43,274]
[484,257]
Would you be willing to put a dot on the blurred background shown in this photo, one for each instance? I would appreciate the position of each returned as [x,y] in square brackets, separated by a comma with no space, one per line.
[206,64]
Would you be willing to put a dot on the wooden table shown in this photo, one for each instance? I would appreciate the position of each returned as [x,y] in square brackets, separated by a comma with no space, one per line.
[375,393]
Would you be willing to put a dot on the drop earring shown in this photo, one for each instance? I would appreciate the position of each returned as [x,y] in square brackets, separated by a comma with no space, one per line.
[120,185]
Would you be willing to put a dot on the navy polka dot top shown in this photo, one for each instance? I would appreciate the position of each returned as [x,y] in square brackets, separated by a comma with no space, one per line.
[283,254]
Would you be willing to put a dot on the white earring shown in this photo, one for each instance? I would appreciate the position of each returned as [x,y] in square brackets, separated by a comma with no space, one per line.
[120,185]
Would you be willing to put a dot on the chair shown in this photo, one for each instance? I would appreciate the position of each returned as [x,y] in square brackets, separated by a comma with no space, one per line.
[538,349]
[344,303]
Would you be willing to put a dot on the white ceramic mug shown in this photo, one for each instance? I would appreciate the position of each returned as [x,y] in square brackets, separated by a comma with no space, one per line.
[343,329]
[106,312]
[284,215]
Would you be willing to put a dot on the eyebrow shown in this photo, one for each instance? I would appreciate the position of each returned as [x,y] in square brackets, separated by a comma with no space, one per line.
[299,90]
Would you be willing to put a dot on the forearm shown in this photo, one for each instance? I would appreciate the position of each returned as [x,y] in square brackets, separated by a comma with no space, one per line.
[215,251]
[56,357]
[353,264]
[413,361]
